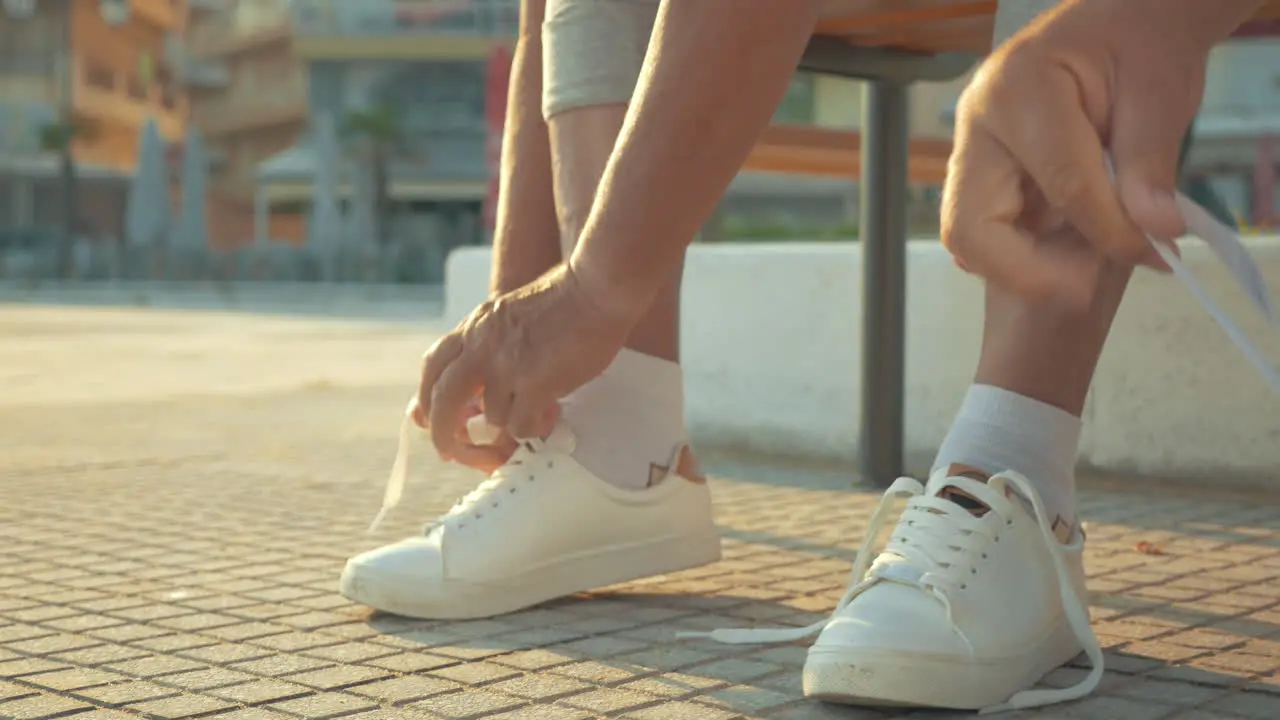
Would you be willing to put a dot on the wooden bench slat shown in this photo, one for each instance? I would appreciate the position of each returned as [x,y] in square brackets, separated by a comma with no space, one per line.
[813,150]
[934,26]
[928,26]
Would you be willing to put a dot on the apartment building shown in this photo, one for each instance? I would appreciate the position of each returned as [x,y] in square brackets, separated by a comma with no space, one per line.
[248,100]
[100,66]
[1237,144]
[428,61]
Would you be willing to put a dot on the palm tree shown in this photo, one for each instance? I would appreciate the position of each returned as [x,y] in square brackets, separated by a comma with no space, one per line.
[375,135]
[59,137]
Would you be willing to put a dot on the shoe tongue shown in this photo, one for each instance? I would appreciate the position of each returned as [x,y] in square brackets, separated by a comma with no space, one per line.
[957,495]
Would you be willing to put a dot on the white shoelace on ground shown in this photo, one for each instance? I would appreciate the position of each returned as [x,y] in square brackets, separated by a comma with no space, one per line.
[940,549]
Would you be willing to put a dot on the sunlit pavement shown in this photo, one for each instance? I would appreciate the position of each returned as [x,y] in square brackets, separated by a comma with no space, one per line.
[179,489]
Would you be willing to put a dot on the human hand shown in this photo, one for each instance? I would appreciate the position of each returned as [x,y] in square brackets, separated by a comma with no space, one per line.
[1029,203]
[518,354]
[479,445]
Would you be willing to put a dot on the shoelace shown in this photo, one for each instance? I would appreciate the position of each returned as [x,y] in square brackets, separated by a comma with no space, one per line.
[942,541]
[1230,249]
[480,433]
[530,457]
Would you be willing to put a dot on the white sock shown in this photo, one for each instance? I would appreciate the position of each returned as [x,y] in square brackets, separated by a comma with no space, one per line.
[998,430]
[629,421]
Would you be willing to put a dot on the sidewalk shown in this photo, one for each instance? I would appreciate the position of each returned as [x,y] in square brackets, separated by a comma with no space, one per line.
[178,492]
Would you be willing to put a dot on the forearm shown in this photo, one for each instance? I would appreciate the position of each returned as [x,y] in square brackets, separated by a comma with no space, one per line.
[527,237]
[715,73]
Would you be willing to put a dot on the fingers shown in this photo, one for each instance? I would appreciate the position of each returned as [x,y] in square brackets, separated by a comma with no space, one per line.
[485,458]
[533,415]
[982,203]
[459,382]
[438,357]
[415,412]
[1146,156]
[1071,168]
[497,402]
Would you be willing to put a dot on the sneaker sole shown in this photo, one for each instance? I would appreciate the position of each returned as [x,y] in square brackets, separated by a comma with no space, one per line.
[588,571]
[900,679]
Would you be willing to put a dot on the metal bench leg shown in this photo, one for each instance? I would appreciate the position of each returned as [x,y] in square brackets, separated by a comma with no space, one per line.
[882,207]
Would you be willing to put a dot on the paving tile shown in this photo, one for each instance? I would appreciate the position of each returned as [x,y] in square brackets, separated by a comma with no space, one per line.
[112,609]
[391,714]
[476,673]
[252,714]
[21,667]
[103,714]
[469,704]
[41,706]
[323,705]
[337,676]
[744,699]
[680,711]
[259,691]
[542,712]
[274,665]
[1174,693]
[1248,705]
[11,691]
[406,689]
[182,706]
[542,688]
[608,700]
[410,662]
[133,691]
[74,679]
[205,678]
[155,666]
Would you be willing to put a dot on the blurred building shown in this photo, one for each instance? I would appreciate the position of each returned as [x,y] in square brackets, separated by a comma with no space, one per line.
[97,65]
[428,63]
[248,96]
[428,60]
[1237,139]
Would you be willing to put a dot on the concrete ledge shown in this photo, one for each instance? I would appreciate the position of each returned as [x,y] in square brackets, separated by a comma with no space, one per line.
[771,342]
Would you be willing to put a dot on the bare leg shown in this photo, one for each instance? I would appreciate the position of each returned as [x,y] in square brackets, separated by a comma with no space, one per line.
[630,420]
[525,244]
[1047,354]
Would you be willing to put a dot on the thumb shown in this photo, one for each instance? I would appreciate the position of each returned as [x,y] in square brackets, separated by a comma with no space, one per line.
[1147,155]
[532,417]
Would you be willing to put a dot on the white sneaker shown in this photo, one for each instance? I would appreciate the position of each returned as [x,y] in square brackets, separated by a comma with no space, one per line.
[541,527]
[963,609]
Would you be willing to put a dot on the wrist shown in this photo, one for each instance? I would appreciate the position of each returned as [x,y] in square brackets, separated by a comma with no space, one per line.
[617,295]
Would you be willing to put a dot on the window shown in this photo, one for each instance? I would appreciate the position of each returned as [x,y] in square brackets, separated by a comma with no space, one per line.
[99,76]
[136,87]
[29,46]
[797,105]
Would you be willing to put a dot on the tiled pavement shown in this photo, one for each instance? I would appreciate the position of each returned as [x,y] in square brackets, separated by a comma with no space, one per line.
[178,493]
